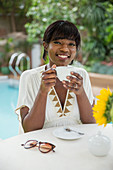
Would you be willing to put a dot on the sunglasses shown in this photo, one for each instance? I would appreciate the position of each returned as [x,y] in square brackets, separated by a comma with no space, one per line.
[43,147]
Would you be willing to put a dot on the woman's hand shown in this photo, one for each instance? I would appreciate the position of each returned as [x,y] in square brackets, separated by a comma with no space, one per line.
[48,79]
[74,84]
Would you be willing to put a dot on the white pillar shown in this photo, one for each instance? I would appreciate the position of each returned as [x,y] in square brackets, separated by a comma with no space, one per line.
[35,54]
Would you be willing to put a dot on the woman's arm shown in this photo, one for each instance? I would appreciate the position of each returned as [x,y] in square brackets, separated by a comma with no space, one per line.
[34,119]
[85,108]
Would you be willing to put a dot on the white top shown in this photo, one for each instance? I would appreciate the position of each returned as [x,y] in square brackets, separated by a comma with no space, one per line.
[30,81]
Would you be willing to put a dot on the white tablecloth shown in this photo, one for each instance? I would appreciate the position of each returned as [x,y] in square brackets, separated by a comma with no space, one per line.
[68,155]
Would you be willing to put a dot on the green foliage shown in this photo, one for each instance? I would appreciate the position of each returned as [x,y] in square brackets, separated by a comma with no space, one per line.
[99,22]
[11,46]
[5,54]
[14,9]
[95,48]
[16,6]
[44,13]
[101,68]
[109,24]
[93,18]
[93,13]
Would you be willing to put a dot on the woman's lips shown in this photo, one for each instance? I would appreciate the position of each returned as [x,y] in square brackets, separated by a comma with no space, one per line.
[63,57]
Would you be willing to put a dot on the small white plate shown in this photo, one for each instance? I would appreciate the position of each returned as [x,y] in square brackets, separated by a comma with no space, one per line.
[63,134]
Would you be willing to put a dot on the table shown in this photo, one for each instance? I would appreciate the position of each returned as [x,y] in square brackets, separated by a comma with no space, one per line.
[68,155]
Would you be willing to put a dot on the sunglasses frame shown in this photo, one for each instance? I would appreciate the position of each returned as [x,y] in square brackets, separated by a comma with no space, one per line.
[35,145]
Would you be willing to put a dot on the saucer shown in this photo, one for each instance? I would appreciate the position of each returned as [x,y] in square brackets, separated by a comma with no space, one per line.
[63,134]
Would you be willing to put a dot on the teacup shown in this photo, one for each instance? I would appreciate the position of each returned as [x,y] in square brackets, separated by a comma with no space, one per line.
[63,72]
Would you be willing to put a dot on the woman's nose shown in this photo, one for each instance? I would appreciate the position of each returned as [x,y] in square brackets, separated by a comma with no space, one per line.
[64,48]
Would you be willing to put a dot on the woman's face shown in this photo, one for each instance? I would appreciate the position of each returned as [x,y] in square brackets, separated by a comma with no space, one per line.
[61,52]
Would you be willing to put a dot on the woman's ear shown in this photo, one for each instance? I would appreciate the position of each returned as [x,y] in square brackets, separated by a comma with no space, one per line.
[45,46]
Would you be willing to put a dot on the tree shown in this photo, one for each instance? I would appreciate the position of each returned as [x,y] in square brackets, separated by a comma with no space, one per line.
[98,20]
[42,13]
[94,19]
[14,8]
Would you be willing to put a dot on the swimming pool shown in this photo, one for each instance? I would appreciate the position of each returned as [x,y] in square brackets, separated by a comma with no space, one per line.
[8,119]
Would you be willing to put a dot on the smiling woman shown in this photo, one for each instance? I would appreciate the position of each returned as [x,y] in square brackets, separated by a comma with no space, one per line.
[62,51]
[44,99]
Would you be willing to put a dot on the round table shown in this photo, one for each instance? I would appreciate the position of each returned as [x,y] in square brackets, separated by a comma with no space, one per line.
[68,155]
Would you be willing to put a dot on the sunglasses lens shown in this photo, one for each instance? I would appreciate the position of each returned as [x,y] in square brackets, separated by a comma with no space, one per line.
[45,147]
[30,144]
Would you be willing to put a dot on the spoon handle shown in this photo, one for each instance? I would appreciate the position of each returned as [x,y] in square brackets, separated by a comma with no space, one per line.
[69,130]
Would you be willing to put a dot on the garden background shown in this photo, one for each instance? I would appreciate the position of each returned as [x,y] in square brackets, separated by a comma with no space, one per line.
[23,22]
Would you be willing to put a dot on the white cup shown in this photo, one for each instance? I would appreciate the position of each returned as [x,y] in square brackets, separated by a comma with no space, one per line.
[63,71]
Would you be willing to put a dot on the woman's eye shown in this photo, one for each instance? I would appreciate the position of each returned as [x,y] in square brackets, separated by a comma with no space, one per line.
[72,44]
[56,42]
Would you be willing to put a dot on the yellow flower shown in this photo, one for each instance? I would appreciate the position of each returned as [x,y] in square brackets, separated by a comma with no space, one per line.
[103,110]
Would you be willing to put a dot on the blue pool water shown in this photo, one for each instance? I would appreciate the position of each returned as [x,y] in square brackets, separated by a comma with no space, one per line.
[8,119]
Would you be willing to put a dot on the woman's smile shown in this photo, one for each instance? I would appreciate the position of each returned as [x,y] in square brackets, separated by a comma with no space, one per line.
[61,52]
[62,56]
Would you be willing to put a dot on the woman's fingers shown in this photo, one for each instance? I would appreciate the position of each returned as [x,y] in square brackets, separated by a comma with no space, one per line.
[75,83]
[49,73]
[50,70]
[49,85]
[49,78]
[71,88]
[53,66]
[70,84]
[77,75]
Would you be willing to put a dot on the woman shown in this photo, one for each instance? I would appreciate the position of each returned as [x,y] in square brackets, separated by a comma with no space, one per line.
[45,101]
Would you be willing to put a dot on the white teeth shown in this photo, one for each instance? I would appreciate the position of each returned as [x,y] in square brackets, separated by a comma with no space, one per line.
[62,56]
